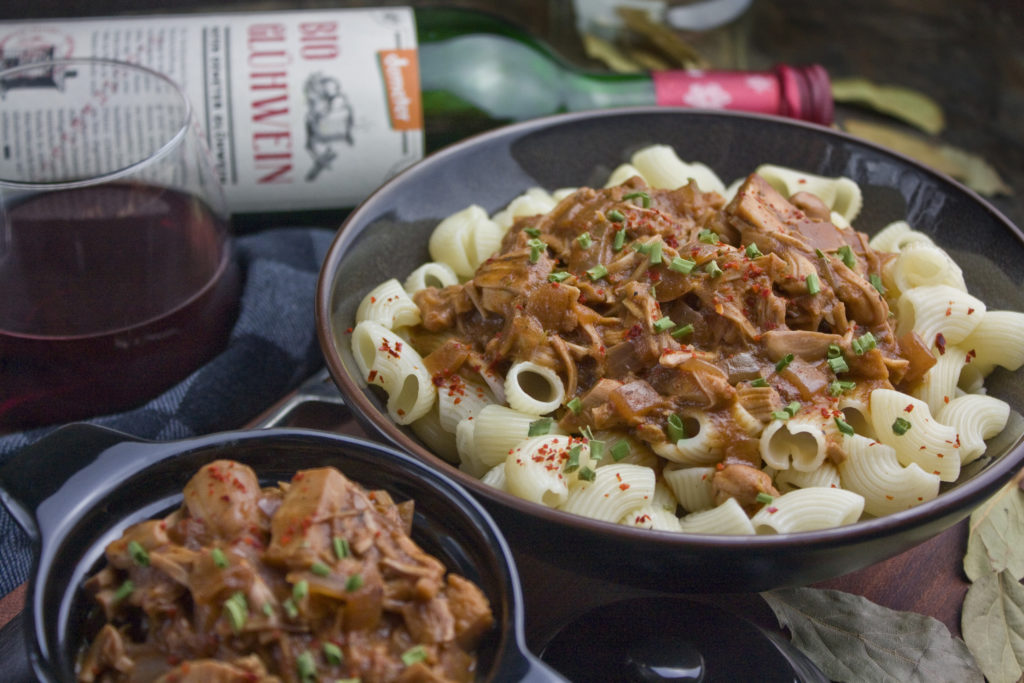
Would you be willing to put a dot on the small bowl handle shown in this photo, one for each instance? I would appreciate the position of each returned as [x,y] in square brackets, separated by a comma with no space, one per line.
[35,473]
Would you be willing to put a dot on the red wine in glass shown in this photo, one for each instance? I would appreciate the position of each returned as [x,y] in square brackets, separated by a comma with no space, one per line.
[103,312]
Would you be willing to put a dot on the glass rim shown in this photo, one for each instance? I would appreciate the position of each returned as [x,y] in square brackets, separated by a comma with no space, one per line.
[172,142]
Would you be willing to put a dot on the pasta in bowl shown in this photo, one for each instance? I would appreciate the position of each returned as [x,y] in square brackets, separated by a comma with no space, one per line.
[743,368]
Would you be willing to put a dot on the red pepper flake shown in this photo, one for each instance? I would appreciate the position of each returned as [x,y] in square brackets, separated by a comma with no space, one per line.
[635,331]
[949,311]
[888,497]
[348,330]
[772,510]
[970,311]
[372,376]
[385,347]
[940,343]
[945,399]
[909,408]
[373,299]
[623,487]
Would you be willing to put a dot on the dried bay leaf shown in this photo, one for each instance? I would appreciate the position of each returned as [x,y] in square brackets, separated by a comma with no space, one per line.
[604,51]
[996,539]
[901,103]
[993,626]
[663,38]
[968,168]
[851,638]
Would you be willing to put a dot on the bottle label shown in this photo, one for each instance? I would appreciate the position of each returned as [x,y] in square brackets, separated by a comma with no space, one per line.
[746,91]
[301,109]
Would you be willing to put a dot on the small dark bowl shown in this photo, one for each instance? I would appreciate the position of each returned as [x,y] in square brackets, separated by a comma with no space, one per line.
[387,237]
[79,488]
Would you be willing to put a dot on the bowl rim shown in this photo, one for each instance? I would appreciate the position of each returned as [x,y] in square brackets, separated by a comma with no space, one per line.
[948,503]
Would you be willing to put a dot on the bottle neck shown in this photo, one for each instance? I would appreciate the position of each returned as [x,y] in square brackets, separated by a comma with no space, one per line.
[510,80]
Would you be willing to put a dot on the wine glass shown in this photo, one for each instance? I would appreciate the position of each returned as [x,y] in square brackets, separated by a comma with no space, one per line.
[116,276]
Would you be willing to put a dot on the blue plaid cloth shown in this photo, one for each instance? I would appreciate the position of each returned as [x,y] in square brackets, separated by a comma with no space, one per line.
[272,348]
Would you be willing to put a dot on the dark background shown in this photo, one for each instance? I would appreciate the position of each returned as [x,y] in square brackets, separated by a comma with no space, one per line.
[966,54]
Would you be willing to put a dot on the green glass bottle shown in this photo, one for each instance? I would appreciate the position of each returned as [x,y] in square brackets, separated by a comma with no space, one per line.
[478,71]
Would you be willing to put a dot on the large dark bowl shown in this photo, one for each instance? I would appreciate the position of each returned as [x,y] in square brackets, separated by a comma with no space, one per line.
[79,488]
[387,237]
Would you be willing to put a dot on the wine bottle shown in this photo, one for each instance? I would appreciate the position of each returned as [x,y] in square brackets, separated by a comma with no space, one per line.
[313,109]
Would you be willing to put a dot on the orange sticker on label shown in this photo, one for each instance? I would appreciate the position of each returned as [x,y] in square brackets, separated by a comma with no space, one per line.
[401,72]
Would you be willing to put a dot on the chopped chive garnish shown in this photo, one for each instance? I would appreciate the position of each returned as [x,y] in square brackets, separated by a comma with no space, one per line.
[663,323]
[764,498]
[681,265]
[414,654]
[124,590]
[784,362]
[708,236]
[645,199]
[587,433]
[572,463]
[863,343]
[289,608]
[846,254]
[268,609]
[537,247]
[619,450]
[838,364]
[834,351]
[675,430]
[220,560]
[587,474]
[237,611]
[813,286]
[341,548]
[654,253]
[819,253]
[619,240]
[300,590]
[759,382]
[575,405]
[837,387]
[876,282]
[532,232]
[596,449]
[682,331]
[752,251]
[900,426]
[597,272]
[642,247]
[306,667]
[844,426]
[333,654]
[540,427]
[616,216]
[320,569]
[712,269]
[138,553]
[354,582]
[560,276]
[585,240]
[789,411]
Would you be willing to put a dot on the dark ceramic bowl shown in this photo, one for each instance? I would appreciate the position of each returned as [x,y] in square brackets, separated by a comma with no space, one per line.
[79,488]
[387,237]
